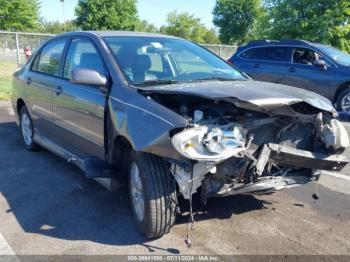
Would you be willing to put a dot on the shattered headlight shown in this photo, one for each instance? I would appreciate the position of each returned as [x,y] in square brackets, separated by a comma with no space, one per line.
[205,143]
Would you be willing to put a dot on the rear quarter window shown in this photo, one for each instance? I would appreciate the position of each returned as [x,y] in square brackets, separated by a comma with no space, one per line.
[253,53]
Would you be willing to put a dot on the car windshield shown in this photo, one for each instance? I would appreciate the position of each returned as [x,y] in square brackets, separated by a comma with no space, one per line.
[337,55]
[161,60]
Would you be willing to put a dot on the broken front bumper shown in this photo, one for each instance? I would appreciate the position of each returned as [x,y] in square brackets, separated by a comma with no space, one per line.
[266,185]
[305,159]
[298,165]
[287,156]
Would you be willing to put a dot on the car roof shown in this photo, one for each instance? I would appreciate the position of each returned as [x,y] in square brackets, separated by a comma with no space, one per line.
[291,42]
[116,33]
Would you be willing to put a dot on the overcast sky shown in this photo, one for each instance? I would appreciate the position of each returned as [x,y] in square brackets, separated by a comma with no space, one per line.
[154,11]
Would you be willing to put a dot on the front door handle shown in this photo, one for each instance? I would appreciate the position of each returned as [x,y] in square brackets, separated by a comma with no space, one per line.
[292,70]
[58,90]
[28,81]
[257,65]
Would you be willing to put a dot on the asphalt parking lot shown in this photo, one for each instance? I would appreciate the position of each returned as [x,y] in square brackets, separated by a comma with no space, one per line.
[47,207]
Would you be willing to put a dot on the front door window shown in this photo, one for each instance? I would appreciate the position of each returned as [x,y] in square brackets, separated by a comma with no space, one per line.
[82,54]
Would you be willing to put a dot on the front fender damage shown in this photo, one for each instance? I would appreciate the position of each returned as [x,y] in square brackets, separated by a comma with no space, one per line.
[145,130]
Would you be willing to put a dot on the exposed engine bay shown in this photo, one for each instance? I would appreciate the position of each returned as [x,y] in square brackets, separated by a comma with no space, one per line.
[233,150]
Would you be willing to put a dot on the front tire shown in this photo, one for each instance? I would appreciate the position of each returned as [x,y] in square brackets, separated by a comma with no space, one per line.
[343,101]
[152,194]
[27,129]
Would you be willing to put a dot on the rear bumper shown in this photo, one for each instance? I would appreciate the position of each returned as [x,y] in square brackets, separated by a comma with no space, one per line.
[306,159]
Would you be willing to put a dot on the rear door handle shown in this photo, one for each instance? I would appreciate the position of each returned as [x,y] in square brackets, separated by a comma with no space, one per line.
[292,70]
[58,90]
[257,65]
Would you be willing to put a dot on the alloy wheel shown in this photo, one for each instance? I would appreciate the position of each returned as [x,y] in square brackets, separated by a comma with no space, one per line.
[136,191]
[27,129]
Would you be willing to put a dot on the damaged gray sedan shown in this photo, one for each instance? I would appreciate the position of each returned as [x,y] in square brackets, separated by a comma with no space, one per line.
[172,119]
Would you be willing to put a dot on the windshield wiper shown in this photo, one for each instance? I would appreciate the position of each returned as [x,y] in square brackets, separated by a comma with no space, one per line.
[157,82]
[170,81]
[214,78]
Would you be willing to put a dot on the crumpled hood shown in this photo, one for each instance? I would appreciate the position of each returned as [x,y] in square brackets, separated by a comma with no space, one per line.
[262,94]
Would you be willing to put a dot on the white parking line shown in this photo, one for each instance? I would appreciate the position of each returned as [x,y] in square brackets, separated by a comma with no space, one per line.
[5,248]
[345,177]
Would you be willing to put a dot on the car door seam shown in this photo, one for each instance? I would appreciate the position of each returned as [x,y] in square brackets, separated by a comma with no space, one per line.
[144,110]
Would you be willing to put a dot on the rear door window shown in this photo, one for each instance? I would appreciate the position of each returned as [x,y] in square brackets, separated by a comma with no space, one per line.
[275,53]
[50,58]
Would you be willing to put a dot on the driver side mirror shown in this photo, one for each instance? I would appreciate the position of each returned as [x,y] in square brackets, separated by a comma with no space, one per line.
[321,63]
[88,77]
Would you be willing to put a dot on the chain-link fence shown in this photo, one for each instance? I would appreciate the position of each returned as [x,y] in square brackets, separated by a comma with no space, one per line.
[12,45]
[224,51]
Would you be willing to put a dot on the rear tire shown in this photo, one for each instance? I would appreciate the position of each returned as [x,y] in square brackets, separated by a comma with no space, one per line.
[152,194]
[27,129]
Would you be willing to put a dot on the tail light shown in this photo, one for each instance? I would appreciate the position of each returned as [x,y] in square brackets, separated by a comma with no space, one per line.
[230,62]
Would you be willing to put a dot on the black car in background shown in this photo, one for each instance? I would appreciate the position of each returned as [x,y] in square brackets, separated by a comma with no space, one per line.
[315,67]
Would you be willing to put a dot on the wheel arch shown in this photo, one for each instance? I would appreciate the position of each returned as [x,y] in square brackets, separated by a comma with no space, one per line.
[19,104]
[122,142]
[340,89]
[117,147]
[120,154]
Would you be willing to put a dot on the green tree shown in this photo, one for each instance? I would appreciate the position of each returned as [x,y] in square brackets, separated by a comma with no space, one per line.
[19,15]
[186,25]
[107,14]
[239,20]
[211,37]
[324,21]
[55,27]
[145,26]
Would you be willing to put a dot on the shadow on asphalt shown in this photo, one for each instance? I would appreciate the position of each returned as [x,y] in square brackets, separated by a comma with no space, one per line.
[220,208]
[49,197]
